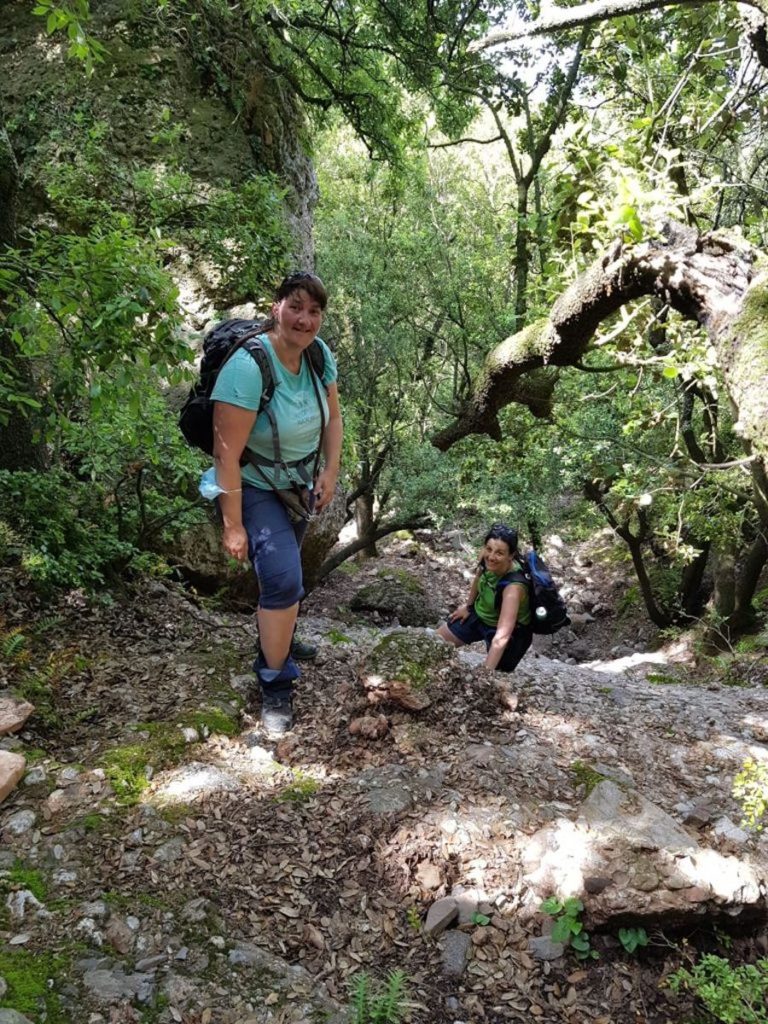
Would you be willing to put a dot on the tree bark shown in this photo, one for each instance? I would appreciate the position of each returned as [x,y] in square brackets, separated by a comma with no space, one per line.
[558,19]
[383,530]
[716,279]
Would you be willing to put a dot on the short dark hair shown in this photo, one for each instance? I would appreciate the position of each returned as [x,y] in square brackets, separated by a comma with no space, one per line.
[302,279]
[508,534]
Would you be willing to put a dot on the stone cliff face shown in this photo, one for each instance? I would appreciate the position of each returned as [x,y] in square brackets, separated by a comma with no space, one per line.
[191,96]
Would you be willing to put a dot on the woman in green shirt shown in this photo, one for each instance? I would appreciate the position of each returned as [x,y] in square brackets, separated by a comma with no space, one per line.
[504,626]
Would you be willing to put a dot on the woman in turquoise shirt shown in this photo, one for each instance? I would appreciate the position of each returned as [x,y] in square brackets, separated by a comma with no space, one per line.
[504,626]
[257,523]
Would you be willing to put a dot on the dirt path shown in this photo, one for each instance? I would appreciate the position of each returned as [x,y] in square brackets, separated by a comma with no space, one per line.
[163,862]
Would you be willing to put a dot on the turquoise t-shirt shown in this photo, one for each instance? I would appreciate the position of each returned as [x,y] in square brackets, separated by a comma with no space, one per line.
[293,405]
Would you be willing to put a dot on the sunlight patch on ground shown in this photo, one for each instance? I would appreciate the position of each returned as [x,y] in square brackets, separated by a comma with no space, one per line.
[192,782]
[629,662]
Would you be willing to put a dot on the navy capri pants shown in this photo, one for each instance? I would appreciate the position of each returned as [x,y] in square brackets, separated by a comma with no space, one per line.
[274,548]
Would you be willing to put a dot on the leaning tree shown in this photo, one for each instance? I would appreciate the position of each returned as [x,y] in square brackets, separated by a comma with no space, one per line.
[716,279]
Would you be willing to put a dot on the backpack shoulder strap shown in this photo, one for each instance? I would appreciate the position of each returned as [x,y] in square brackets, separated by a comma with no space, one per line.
[317,359]
[514,576]
[257,350]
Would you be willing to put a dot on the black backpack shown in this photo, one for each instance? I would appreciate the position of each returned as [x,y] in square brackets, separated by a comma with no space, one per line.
[548,611]
[219,345]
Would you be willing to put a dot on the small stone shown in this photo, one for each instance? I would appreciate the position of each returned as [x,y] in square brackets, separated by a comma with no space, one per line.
[190,734]
[120,936]
[11,771]
[724,828]
[13,1017]
[19,823]
[428,875]
[441,914]
[542,947]
[35,776]
[13,714]
[169,852]
[698,814]
[456,948]
[67,776]
[594,884]
[23,904]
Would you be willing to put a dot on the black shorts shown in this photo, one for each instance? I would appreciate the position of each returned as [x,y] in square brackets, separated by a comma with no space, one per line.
[473,629]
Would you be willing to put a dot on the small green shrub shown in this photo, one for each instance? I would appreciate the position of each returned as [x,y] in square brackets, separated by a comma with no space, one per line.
[568,927]
[633,938]
[300,790]
[733,995]
[750,788]
[386,1005]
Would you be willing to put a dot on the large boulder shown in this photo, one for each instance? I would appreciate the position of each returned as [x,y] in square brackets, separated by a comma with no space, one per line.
[200,559]
[397,595]
[631,863]
[407,669]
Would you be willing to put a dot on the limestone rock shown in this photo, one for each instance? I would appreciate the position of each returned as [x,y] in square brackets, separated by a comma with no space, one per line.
[613,811]
[441,915]
[11,771]
[13,1017]
[404,669]
[13,714]
[399,596]
[456,947]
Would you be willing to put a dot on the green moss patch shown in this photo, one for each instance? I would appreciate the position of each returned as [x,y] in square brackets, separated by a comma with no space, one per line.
[28,975]
[27,878]
[585,775]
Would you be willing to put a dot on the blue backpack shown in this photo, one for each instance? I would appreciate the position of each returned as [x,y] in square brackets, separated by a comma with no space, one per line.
[548,611]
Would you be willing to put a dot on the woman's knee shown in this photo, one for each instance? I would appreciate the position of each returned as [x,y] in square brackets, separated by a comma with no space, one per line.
[281,590]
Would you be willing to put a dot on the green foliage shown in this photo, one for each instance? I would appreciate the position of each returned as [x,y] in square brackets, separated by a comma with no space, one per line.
[27,878]
[71,18]
[129,767]
[750,789]
[733,995]
[568,927]
[633,939]
[413,917]
[337,637]
[30,976]
[300,790]
[383,1004]
[585,775]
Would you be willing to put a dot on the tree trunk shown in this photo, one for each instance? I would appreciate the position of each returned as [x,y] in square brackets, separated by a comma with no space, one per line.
[366,524]
[383,530]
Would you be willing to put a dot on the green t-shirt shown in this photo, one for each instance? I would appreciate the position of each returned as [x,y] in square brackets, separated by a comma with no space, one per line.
[293,405]
[485,602]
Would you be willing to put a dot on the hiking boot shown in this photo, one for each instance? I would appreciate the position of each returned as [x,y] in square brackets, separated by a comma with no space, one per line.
[301,651]
[276,712]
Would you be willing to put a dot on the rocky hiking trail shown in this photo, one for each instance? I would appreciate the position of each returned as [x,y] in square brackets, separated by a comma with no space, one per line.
[161,861]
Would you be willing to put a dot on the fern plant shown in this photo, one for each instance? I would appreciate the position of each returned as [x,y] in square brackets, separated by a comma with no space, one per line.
[386,1006]
[12,644]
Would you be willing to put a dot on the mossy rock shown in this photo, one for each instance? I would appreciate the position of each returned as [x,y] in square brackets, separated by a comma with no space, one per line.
[406,668]
[397,595]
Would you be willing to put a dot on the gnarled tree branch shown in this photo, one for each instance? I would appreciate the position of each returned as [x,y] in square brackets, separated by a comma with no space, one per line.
[716,279]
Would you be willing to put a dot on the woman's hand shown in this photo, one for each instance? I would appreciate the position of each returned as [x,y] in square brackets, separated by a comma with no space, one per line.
[461,613]
[325,487]
[235,542]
